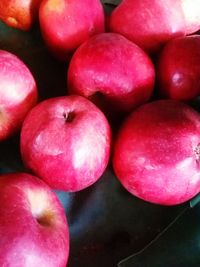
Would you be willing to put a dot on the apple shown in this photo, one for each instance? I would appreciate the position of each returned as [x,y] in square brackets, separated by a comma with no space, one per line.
[20,14]
[157,152]
[66,141]
[178,68]
[66,24]
[148,23]
[191,11]
[18,93]
[33,226]
[113,72]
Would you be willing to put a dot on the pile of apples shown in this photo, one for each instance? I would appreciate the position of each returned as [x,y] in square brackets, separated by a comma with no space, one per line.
[137,67]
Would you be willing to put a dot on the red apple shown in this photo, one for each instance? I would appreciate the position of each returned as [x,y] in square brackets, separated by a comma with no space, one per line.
[178,68]
[157,152]
[191,10]
[148,23]
[19,14]
[18,93]
[66,141]
[33,227]
[113,72]
[66,24]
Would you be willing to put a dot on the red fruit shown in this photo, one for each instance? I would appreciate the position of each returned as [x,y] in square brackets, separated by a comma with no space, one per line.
[65,24]
[66,141]
[18,93]
[33,226]
[113,72]
[178,69]
[157,152]
[148,23]
[19,14]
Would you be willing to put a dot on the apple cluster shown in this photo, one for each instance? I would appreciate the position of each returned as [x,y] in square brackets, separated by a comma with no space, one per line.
[131,75]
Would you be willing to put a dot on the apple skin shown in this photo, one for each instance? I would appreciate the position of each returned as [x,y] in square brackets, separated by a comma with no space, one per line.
[33,227]
[18,93]
[178,69]
[66,141]
[66,24]
[20,14]
[191,11]
[113,72]
[157,152]
[148,23]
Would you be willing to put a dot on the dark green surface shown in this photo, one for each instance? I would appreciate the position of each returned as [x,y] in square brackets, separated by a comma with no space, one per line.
[178,246]
[107,224]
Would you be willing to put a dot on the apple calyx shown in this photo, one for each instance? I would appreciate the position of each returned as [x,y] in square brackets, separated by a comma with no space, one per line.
[45,219]
[197,153]
[41,211]
[69,117]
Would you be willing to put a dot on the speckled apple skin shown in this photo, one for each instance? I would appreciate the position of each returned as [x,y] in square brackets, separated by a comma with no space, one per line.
[112,66]
[67,24]
[178,69]
[148,23]
[157,152]
[33,226]
[18,93]
[66,141]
